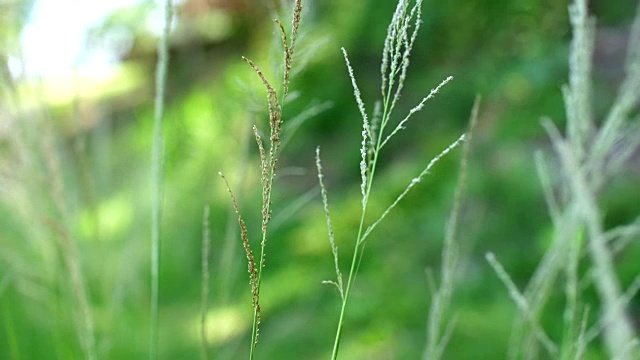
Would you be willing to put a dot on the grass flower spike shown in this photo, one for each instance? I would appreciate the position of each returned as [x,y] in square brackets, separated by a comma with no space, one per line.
[401,35]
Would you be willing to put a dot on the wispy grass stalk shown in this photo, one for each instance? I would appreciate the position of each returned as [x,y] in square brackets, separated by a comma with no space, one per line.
[586,168]
[588,156]
[157,177]
[228,252]
[268,165]
[33,180]
[67,243]
[334,248]
[401,35]
[581,344]
[522,303]
[437,336]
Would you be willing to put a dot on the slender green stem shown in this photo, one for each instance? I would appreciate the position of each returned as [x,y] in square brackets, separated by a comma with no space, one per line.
[157,180]
[357,252]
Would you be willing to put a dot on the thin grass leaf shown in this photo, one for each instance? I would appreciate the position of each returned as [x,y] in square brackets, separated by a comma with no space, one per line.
[293,208]
[292,125]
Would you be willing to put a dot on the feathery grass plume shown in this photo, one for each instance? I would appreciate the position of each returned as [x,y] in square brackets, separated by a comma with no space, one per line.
[562,255]
[268,164]
[34,183]
[60,226]
[395,62]
[618,333]
[206,274]
[586,171]
[157,178]
[293,125]
[85,324]
[251,262]
[437,338]
[366,132]
[332,241]
[588,157]
[290,46]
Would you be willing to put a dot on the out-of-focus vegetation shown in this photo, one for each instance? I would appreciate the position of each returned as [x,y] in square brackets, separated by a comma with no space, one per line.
[75,182]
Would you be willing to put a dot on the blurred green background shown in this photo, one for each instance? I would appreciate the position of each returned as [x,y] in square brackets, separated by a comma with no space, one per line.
[75,169]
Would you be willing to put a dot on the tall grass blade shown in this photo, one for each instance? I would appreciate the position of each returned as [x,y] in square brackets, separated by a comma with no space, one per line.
[437,338]
[157,177]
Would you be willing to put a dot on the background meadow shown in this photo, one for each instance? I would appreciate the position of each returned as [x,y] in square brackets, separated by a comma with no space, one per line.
[76,183]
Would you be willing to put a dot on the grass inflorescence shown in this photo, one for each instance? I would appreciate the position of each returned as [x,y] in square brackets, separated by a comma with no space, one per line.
[377,131]
[268,165]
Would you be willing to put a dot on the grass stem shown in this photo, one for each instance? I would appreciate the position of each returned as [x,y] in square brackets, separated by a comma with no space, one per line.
[157,178]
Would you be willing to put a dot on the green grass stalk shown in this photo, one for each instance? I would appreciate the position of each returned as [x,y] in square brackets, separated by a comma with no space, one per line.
[401,35]
[157,178]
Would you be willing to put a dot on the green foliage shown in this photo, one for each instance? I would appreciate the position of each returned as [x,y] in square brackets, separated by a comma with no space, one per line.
[75,205]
